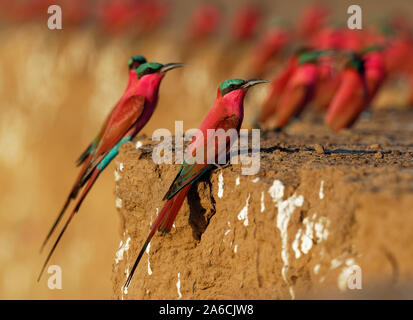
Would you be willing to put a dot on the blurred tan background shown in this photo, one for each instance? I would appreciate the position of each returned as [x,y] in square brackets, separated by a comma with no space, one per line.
[55,89]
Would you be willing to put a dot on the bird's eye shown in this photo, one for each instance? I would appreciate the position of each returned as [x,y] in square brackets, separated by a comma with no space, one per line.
[145,71]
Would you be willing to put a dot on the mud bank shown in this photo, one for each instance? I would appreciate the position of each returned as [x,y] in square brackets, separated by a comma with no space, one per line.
[324,207]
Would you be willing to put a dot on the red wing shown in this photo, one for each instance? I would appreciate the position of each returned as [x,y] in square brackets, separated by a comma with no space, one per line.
[229,122]
[188,173]
[119,123]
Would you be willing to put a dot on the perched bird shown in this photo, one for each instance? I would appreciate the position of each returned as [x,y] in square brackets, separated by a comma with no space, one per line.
[86,157]
[129,116]
[351,97]
[359,84]
[299,90]
[226,113]
[277,87]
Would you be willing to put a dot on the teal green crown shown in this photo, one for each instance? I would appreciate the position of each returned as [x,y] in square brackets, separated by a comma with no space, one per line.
[135,61]
[147,68]
[230,85]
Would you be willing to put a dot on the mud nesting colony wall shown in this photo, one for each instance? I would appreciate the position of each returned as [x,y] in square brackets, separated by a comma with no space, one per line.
[312,217]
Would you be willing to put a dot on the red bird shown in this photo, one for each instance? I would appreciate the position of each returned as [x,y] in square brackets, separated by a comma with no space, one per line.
[299,90]
[86,157]
[129,116]
[226,113]
[351,97]
[359,84]
[277,87]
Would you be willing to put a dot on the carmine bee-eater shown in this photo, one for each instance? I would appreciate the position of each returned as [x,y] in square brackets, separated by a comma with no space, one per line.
[86,157]
[128,117]
[226,113]
[277,87]
[351,97]
[300,89]
[359,84]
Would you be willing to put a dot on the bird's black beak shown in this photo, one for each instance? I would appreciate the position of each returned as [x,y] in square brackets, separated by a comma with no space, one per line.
[253,82]
[170,66]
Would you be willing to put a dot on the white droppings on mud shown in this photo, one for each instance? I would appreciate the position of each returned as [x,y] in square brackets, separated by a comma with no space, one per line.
[117,175]
[139,144]
[235,248]
[296,244]
[256,180]
[220,185]
[227,231]
[121,166]
[123,247]
[308,236]
[178,286]
[320,227]
[315,231]
[262,202]
[335,263]
[285,210]
[243,214]
[350,262]
[237,181]
[118,203]
[316,268]
[149,263]
[276,191]
[321,193]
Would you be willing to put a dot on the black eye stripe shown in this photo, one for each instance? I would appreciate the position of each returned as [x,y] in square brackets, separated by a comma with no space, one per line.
[230,88]
[134,64]
[146,71]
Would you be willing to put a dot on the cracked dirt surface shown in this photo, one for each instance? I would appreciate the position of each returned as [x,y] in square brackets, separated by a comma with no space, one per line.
[321,206]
